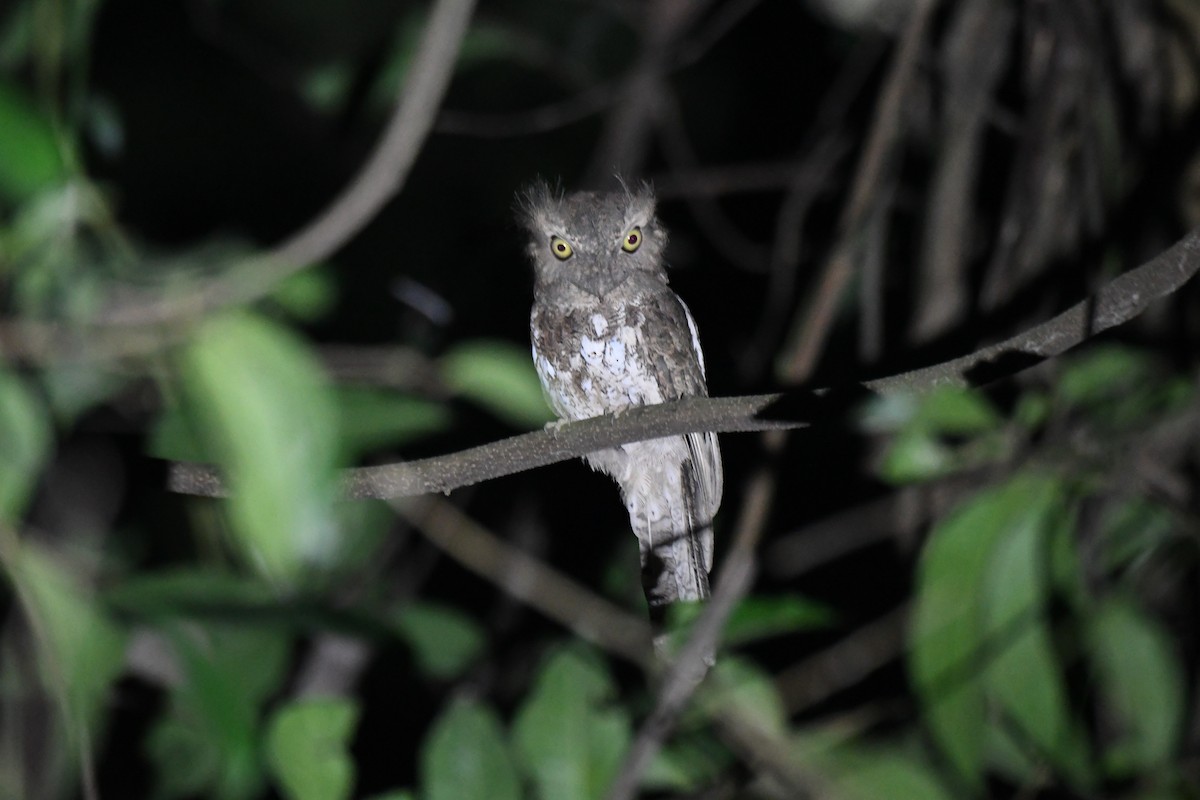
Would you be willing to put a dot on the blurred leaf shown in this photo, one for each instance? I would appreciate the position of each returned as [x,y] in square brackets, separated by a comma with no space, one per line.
[465,756]
[1022,673]
[372,419]
[568,734]
[402,794]
[500,377]
[915,455]
[180,590]
[80,650]
[29,155]
[1142,686]
[686,763]
[754,618]
[947,640]
[741,687]
[1100,372]
[307,743]
[75,388]
[25,437]
[208,743]
[307,295]
[956,411]
[874,773]
[444,641]
[1131,530]
[258,396]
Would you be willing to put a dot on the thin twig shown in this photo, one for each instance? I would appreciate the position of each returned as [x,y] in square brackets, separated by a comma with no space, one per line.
[377,181]
[521,575]
[808,336]
[691,664]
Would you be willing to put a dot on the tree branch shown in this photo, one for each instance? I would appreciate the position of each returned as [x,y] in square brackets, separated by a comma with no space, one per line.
[133,323]
[1119,301]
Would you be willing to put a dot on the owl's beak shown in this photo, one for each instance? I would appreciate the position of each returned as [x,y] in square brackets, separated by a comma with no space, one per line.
[608,278]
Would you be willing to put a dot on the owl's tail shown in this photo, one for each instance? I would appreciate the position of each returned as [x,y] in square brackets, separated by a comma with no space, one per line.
[675,567]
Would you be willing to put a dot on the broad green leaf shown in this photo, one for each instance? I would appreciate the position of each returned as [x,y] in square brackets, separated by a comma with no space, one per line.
[500,377]
[25,437]
[1022,673]
[258,398]
[875,773]
[916,455]
[72,389]
[686,763]
[465,756]
[1142,687]
[208,742]
[307,295]
[946,656]
[81,651]
[754,618]
[307,743]
[444,641]
[1100,372]
[741,687]
[956,411]
[371,419]
[1131,530]
[29,156]
[567,733]
[180,590]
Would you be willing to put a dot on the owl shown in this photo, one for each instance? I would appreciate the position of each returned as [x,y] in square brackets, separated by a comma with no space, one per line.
[609,334]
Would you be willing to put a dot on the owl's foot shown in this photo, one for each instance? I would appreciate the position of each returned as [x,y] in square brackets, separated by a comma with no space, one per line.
[554,426]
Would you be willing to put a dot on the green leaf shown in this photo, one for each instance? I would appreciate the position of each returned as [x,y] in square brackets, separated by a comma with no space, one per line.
[1023,675]
[465,756]
[741,687]
[500,377]
[399,794]
[25,437]
[260,402]
[29,154]
[208,742]
[444,641]
[955,411]
[916,455]
[307,745]
[371,419]
[947,641]
[1142,687]
[178,591]
[1102,372]
[567,733]
[307,295]
[873,773]
[754,618]
[81,651]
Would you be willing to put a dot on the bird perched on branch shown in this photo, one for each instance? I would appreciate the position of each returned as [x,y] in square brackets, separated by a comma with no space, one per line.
[609,334]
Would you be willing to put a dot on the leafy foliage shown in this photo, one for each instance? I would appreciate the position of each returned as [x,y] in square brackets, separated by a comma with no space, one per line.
[283,642]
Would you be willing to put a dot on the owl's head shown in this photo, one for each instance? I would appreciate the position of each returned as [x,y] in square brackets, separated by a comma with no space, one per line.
[595,241]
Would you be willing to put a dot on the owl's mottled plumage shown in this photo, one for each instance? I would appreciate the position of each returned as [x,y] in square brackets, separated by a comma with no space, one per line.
[609,334]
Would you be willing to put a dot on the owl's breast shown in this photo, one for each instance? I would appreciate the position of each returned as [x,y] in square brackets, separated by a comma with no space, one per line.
[594,361]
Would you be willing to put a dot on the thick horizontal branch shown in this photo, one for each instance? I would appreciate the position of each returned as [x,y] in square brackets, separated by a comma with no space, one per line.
[1119,301]
[528,450]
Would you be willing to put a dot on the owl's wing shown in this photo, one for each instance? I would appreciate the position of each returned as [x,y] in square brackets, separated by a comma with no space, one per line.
[703,448]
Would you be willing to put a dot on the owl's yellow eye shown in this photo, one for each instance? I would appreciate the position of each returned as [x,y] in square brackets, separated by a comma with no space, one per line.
[633,240]
[561,248]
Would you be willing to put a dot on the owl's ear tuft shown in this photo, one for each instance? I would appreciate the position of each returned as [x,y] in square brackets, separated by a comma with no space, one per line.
[533,202]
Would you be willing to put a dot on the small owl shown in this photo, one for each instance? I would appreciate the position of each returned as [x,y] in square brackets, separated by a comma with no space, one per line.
[609,334]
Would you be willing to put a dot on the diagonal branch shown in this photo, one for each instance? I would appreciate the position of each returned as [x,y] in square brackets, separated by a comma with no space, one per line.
[131,325]
[1119,301]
